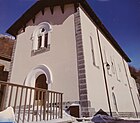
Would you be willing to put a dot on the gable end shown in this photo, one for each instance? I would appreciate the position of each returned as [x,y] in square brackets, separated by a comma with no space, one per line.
[40,6]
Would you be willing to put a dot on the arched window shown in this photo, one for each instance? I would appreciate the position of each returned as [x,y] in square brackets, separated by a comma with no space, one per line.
[41,38]
[114,101]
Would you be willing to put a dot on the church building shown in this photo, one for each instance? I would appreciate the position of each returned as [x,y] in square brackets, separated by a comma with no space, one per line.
[61,45]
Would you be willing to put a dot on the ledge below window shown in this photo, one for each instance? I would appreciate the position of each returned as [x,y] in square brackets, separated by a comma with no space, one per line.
[41,50]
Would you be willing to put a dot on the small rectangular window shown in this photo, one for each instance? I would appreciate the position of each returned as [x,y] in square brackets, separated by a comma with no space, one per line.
[138,98]
[117,67]
[112,65]
[107,63]
[115,101]
[119,73]
[105,59]
[92,50]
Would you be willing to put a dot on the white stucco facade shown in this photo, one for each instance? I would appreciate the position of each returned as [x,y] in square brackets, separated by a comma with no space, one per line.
[60,64]
[95,82]
[61,59]
[117,80]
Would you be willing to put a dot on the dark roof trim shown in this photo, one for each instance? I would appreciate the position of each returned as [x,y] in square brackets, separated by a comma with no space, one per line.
[41,4]
[31,12]
[103,29]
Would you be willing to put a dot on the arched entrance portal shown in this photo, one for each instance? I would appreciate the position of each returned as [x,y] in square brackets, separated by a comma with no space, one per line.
[39,77]
[38,74]
[41,82]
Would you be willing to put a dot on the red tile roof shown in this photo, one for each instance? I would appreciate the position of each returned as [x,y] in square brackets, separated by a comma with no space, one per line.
[6,47]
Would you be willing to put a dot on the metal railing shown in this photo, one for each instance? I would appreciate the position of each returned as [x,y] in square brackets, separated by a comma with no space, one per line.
[31,104]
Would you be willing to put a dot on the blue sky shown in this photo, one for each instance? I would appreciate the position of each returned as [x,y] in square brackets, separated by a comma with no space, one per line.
[121,18]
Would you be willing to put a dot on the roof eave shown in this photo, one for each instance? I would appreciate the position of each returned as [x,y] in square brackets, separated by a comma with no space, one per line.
[102,28]
[31,12]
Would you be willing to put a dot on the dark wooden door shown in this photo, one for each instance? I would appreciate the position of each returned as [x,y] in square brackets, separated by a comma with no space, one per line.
[74,111]
[41,83]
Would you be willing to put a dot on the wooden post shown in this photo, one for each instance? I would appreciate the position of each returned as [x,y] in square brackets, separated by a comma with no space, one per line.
[61,106]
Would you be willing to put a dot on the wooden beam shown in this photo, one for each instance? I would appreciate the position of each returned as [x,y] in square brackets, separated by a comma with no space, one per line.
[76,5]
[33,19]
[62,6]
[24,26]
[43,11]
[52,9]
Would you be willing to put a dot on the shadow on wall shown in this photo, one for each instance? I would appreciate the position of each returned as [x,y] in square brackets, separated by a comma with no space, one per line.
[57,18]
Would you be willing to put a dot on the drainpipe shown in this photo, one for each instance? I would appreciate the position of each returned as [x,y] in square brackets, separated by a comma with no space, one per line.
[105,78]
[130,89]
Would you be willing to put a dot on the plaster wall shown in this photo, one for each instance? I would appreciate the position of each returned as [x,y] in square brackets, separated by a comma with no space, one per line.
[135,93]
[94,74]
[61,59]
[116,76]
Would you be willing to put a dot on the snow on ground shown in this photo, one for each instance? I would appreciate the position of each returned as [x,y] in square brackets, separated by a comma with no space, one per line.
[7,115]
